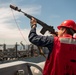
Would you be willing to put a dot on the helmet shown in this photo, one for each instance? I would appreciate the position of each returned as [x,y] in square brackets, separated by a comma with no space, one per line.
[69,24]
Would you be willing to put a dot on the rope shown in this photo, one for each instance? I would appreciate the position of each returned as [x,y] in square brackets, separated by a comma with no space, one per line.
[40,48]
[18,26]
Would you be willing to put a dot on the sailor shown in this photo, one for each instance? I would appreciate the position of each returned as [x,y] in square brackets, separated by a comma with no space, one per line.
[61,58]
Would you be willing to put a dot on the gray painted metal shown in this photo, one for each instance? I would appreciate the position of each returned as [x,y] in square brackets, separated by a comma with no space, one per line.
[13,67]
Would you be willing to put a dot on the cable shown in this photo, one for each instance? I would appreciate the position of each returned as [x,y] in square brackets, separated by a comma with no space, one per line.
[18,26]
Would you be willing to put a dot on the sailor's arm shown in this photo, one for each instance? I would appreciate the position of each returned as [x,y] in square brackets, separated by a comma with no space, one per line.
[39,40]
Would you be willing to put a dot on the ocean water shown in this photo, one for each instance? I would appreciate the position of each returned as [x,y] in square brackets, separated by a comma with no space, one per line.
[19,47]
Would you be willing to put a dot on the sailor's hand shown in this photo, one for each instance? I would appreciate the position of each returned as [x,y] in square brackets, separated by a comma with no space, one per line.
[54,34]
[33,22]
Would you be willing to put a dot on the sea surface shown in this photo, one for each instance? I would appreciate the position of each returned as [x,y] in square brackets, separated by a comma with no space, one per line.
[19,47]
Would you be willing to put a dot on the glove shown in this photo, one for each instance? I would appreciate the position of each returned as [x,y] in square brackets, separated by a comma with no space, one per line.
[33,23]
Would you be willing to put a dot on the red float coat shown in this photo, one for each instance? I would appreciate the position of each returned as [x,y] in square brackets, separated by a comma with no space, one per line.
[62,60]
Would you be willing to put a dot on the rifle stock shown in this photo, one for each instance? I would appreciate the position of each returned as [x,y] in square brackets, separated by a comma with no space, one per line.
[45,27]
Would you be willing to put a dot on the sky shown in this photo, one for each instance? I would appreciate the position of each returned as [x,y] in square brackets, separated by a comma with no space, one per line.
[15,26]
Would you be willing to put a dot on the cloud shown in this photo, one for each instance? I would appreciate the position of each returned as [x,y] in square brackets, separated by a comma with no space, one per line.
[36,10]
[32,9]
[9,32]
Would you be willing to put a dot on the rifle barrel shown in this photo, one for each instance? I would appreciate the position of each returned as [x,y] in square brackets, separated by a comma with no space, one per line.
[44,25]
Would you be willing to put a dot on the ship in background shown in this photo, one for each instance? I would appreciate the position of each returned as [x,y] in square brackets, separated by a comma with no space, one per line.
[19,51]
[20,59]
